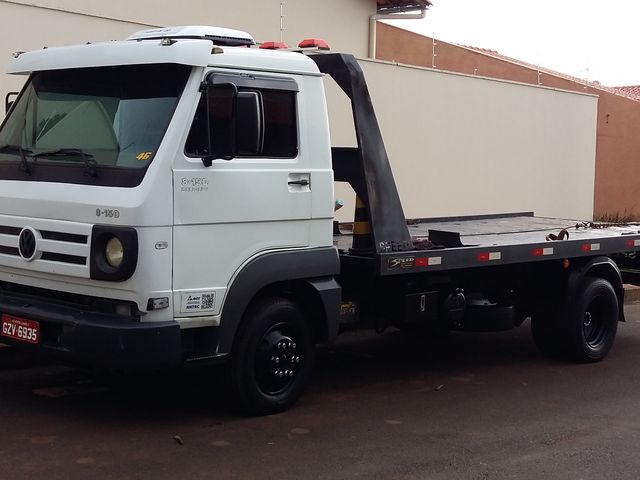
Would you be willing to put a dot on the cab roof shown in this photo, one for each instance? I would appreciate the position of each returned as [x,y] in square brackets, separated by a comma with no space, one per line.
[192,51]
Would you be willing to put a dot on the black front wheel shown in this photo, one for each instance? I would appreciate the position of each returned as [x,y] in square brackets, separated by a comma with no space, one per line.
[272,357]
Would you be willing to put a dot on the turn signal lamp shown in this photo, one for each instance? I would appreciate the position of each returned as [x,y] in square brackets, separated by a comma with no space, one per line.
[158,303]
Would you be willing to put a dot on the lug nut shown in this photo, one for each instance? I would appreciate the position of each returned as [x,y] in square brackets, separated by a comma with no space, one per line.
[277,359]
[291,373]
[293,345]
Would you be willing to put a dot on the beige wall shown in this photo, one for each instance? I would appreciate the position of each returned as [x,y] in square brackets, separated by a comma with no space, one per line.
[31,24]
[617,176]
[458,145]
[463,145]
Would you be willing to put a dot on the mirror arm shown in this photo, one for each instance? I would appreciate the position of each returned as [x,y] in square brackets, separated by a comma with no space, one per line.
[8,102]
[204,90]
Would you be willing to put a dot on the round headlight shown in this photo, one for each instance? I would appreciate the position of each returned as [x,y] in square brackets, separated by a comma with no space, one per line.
[114,252]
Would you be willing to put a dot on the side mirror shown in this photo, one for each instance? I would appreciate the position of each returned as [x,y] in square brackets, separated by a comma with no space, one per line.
[234,122]
[8,102]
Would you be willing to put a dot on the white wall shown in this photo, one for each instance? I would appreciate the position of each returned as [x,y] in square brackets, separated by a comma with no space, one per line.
[31,24]
[464,145]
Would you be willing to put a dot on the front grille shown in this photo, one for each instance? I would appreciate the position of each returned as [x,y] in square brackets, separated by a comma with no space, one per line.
[63,237]
[5,230]
[52,245]
[61,247]
[9,250]
[61,257]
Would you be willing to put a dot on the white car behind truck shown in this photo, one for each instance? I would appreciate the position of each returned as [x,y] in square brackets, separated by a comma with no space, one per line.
[168,199]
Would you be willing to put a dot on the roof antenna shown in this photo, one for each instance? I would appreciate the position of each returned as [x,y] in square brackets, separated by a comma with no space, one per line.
[433,50]
[281,21]
[538,72]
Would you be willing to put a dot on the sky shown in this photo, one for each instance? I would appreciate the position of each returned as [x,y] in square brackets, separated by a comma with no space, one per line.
[595,40]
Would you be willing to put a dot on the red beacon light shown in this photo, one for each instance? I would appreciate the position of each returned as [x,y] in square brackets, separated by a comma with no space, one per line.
[273,45]
[314,43]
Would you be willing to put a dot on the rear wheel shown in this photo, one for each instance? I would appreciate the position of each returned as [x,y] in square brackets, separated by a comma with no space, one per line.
[593,321]
[272,357]
[583,330]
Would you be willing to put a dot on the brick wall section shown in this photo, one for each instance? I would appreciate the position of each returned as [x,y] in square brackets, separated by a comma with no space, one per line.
[617,175]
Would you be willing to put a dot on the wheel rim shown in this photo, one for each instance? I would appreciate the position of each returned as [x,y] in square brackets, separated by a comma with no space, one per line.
[595,321]
[278,359]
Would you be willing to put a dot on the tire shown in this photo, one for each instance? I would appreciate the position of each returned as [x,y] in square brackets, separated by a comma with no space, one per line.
[272,357]
[583,330]
[593,321]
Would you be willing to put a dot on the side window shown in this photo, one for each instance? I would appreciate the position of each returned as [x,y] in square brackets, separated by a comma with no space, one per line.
[279,124]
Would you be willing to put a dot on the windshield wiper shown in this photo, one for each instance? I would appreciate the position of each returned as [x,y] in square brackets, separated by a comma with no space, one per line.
[89,161]
[24,163]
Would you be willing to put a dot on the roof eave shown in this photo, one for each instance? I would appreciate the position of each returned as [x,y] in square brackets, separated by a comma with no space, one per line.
[402,6]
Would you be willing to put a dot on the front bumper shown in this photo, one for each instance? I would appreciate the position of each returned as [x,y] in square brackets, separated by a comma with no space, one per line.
[94,338]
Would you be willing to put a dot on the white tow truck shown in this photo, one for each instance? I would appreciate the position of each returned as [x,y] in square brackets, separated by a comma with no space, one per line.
[168,199]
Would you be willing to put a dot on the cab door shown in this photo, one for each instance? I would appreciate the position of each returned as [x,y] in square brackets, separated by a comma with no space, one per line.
[254,197]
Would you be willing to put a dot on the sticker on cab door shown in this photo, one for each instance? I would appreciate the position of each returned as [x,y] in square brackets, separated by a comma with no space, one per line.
[197,302]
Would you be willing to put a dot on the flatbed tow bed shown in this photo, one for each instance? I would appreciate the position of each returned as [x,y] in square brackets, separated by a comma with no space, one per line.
[499,240]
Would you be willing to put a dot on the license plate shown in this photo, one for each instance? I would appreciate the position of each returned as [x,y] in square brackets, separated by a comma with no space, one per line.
[20,329]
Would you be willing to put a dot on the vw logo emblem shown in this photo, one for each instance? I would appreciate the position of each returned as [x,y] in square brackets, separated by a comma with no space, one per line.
[27,244]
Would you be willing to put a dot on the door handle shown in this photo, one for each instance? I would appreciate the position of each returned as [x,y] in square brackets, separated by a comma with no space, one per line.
[302,181]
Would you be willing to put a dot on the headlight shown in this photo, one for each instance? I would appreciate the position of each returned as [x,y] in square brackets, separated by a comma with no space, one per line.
[114,252]
[107,259]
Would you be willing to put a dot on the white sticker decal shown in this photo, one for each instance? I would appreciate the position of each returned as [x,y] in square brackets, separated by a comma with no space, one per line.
[198,302]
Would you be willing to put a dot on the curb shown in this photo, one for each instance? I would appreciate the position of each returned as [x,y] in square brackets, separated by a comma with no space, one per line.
[631,294]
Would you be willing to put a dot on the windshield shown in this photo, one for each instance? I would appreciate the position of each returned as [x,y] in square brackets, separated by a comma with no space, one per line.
[108,119]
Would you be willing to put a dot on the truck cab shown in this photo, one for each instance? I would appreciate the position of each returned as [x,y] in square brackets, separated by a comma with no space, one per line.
[152,187]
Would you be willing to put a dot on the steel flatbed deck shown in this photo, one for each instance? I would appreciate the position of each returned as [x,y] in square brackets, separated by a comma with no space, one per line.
[498,240]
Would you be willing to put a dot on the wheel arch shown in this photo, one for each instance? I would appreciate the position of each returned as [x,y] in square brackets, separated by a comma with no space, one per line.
[600,267]
[306,276]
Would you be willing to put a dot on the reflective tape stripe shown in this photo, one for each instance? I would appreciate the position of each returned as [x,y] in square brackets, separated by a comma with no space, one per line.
[361,228]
